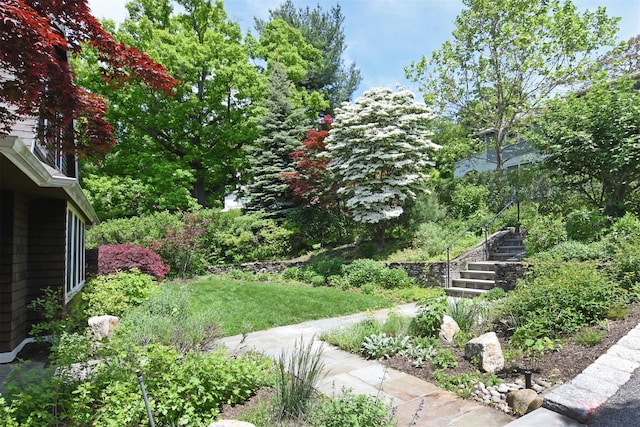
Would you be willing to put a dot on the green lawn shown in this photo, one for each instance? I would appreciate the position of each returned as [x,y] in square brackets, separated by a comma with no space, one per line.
[243,306]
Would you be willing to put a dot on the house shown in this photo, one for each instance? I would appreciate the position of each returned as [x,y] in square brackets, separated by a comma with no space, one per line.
[516,152]
[43,218]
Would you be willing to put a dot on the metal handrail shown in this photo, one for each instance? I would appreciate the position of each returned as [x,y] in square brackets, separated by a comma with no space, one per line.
[486,238]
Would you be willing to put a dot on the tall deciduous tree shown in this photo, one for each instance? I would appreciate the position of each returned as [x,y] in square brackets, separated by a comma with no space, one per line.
[592,139]
[507,56]
[281,131]
[35,39]
[380,154]
[334,79]
[194,139]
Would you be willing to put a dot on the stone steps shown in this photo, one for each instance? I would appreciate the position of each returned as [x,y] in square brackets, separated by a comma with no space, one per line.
[479,277]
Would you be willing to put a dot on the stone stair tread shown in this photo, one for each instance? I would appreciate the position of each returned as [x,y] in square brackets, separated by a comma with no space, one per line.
[479,281]
[482,273]
[457,290]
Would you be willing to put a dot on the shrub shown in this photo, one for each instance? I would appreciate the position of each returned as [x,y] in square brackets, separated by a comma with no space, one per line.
[366,271]
[351,410]
[585,225]
[560,299]
[139,230]
[572,250]
[428,318]
[292,273]
[544,232]
[445,359]
[327,266]
[468,199]
[182,245]
[115,293]
[126,257]
[431,238]
[464,312]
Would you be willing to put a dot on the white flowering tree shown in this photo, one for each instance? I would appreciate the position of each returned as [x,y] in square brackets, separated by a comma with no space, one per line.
[380,154]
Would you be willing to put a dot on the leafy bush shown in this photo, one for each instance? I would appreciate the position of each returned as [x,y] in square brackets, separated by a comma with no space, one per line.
[327,266]
[126,257]
[292,273]
[431,238]
[445,359]
[493,294]
[351,410]
[139,230]
[428,318]
[585,225]
[544,232]
[182,245]
[116,293]
[365,271]
[589,337]
[560,299]
[232,238]
[468,200]
[572,250]
[185,389]
[381,346]
[464,312]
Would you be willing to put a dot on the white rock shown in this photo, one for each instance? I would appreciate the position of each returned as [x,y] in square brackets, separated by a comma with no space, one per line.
[103,326]
[487,350]
[448,329]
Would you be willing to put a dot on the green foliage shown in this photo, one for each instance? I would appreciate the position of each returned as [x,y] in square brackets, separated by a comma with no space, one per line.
[297,375]
[444,359]
[351,410]
[468,201]
[327,266]
[281,130]
[234,238]
[589,337]
[381,346]
[139,230]
[114,197]
[166,319]
[351,338]
[543,232]
[420,350]
[428,318]
[585,225]
[617,312]
[459,383]
[590,138]
[184,389]
[114,294]
[49,307]
[572,250]
[464,312]
[532,345]
[493,294]
[560,299]
[367,271]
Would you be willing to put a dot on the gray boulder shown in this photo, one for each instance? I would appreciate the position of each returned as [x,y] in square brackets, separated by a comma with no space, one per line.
[103,326]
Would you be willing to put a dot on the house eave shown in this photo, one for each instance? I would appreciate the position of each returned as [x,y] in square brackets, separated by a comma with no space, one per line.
[43,176]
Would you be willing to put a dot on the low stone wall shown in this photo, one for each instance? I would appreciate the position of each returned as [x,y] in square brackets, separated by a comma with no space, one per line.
[508,273]
[424,273]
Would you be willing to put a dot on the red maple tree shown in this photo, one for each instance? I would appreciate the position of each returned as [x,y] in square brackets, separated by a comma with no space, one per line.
[36,80]
[309,183]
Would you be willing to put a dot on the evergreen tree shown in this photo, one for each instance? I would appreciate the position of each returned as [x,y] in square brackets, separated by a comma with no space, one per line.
[330,76]
[281,130]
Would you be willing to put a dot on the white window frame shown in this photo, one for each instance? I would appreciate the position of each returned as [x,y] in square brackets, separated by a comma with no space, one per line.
[75,268]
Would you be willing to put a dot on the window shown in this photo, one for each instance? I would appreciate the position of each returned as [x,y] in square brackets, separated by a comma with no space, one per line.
[75,258]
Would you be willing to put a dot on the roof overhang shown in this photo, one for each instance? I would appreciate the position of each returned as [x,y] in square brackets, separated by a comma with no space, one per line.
[43,176]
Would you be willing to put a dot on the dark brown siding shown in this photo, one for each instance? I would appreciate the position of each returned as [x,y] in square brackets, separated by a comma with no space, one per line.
[32,254]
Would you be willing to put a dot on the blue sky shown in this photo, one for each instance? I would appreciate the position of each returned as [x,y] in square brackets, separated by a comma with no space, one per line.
[384,36]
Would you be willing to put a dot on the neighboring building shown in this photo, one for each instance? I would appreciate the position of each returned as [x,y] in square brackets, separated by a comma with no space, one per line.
[43,218]
[514,153]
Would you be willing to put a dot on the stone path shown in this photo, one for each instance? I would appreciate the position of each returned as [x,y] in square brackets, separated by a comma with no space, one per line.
[417,402]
